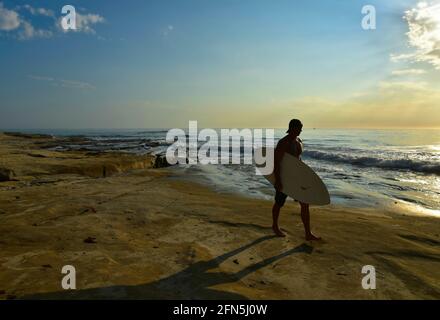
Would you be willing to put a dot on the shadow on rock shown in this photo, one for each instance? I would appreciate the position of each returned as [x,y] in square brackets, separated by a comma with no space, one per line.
[194,282]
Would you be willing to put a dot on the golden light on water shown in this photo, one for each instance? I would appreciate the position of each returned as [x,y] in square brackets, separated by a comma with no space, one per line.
[413,209]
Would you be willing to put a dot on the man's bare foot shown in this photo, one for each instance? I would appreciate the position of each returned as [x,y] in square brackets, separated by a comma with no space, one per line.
[311,237]
[278,232]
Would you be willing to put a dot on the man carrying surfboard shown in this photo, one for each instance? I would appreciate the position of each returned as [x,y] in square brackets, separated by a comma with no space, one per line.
[291,144]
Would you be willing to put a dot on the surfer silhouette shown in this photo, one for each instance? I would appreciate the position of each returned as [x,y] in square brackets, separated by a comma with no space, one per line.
[291,144]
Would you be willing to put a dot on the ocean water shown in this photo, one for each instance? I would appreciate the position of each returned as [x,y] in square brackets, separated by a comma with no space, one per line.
[398,170]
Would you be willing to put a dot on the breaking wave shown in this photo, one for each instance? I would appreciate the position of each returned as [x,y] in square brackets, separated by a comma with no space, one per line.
[369,161]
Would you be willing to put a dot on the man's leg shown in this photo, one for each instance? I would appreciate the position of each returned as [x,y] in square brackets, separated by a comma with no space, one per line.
[275,214]
[305,217]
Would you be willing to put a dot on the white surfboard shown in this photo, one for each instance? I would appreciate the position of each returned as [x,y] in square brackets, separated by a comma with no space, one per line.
[300,182]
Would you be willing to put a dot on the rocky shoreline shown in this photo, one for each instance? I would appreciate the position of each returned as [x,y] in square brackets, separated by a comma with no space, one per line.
[108,164]
[133,231]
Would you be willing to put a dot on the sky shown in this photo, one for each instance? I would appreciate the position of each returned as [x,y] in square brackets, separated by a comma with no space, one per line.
[224,63]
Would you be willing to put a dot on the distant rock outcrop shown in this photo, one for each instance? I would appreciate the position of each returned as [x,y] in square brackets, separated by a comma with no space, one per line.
[159,161]
[6,174]
[28,136]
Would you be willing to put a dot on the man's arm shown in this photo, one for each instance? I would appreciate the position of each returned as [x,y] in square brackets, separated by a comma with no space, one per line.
[279,153]
[300,148]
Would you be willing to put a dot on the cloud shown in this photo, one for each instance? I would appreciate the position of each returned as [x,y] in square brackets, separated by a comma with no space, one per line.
[28,32]
[73,84]
[402,85]
[424,34]
[39,11]
[406,72]
[84,22]
[9,19]
[401,57]
[21,28]
[389,104]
